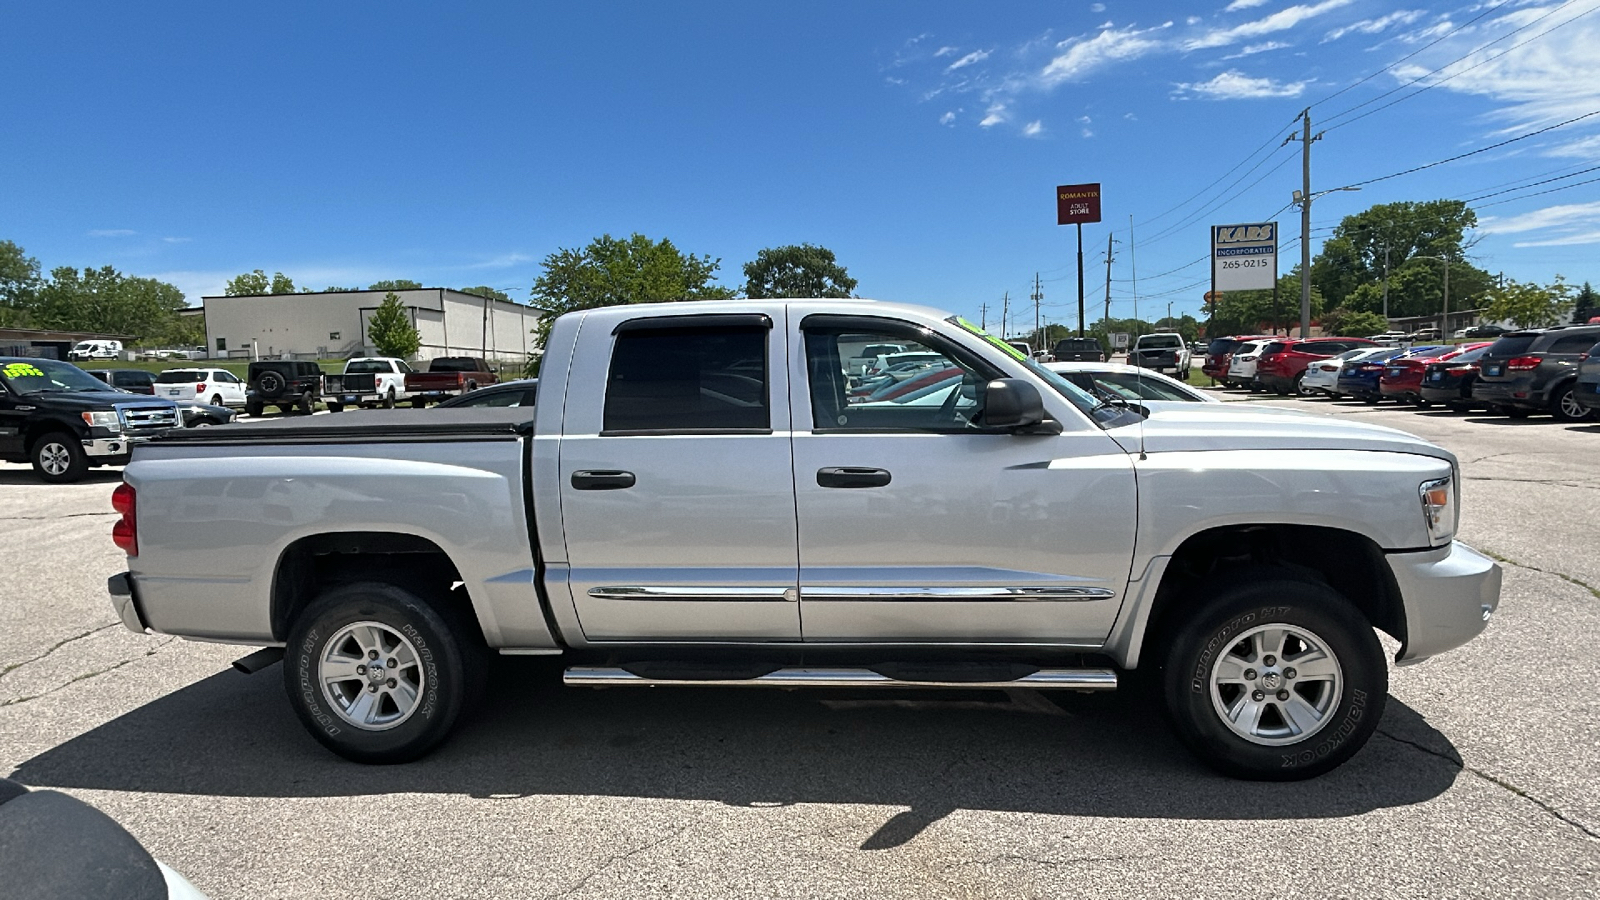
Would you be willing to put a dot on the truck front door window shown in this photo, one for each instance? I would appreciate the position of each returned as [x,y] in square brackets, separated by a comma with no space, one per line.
[918,389]
[697,380]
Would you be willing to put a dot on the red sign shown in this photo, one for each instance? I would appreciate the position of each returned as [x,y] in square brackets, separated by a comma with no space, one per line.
[1077,204]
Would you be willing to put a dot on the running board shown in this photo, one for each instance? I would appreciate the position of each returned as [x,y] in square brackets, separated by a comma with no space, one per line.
[1042,679]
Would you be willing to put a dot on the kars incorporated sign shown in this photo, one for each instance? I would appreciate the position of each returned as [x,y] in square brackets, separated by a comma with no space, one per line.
[1244,257]
[1077,204]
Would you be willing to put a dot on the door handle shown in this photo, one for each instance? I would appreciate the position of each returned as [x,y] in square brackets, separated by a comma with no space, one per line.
[852,477]
[601,480]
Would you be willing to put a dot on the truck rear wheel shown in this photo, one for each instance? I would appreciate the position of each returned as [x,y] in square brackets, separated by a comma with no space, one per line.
[1276,679]
[377,674]
[58,458]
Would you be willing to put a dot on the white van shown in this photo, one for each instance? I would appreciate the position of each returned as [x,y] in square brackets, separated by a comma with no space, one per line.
[95,350]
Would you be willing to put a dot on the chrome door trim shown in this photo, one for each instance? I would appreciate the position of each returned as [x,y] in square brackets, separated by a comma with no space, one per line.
[957,594]
[692,592]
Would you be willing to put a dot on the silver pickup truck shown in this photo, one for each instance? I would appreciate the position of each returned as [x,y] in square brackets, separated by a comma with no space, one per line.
[704,495]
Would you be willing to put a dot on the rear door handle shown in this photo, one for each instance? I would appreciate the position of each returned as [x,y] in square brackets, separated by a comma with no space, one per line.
[852,477]
[602,479]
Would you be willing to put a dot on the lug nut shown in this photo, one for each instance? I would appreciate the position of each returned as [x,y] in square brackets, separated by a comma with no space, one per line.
[391,682]
[372,689]
[1283,695]
[1249,674]
[1290,673]
[1270,661]
[361,670]
[391,664]
[372,654]
[1258,696]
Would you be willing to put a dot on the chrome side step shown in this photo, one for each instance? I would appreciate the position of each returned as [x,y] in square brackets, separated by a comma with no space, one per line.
[1043,679]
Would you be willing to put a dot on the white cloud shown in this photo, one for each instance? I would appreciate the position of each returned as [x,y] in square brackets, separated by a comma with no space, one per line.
[1087,133]
[503,261]
[1587,237]
[1565,215]
[1253,49]
[1193,20]
[1282,20]
[1582,148]
[975,56]
[948,118]
[112,232]
[944,51]
[1237,5]
[994,115]
[1375,26]
[1234,85]
[1097,7]
[1079,57]
[1033,129]
[1130,117]
[1083,120]
[177,240]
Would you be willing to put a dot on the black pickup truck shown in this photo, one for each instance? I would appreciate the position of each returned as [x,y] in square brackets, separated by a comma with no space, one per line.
[62,420]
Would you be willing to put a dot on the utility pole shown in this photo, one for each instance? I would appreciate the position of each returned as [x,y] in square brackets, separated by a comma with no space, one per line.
[1305,224]
[1169,314]
[1037,296]
[1386,281]
[1108,288]
[983,316]
[1005,313]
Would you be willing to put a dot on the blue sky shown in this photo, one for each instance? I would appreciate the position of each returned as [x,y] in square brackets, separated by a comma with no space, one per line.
[459,144]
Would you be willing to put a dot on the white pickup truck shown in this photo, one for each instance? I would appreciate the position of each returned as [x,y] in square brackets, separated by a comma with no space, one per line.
[701,497]
[368,381]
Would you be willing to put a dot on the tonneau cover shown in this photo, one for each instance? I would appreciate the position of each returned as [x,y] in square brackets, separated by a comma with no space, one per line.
[412,424]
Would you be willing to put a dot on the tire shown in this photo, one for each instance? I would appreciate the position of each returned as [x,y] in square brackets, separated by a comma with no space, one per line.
[304,405]
[419,403]
[204,422]
[1423,404]
[271,383]
[1370,401]
[216,399]
[1316,719]
[335,407]
[58,458]
[1457,407]
[388,399]
[1332,395]
[436,657]
[1566,408]
[254,410]
[1299,387]
[1517,412]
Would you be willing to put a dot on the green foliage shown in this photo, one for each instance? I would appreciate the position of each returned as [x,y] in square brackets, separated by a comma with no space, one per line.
[802,270]
[390,329]
[486,291]
[1345,322]
[615,272]
[183,331]
[1529,305]
[1585,304]
[1255,312]
[252,284]
[1349,269]
[398,284]
[19,284]
[333,289]
[105,300]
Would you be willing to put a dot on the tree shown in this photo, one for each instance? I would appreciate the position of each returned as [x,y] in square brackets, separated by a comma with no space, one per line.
[398,284]
[614,272]
[1529,305]
[106,301]
[803,270]
[252,284]
[19,285]
[1354,255]
[391,330]
[1353,323]
[1585,305]
[486,291]
[1255,312]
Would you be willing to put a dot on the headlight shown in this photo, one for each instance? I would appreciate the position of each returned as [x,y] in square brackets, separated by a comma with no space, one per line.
[108,420]
[1439,509]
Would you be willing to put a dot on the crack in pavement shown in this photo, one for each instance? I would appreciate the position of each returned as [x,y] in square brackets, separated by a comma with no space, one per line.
[1556,482]
[616,858]
[61,516]
[17,701]
[1579,582]
[1496,780]
[11,667]
[1055,863]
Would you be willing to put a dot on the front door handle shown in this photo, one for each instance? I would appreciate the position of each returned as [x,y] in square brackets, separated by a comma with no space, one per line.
[852,477]
[602,479]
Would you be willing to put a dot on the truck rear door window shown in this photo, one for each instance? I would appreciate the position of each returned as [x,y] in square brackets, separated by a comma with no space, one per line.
[709,379]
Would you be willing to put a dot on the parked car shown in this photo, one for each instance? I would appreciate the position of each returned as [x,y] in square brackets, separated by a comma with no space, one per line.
[1083,349]
[1391,338]
[1023,347]
[1359,379]
[1284,361]
[1401,379]
[194,414]
[1242,365]
[367,381]
[218,386]
[1018,534]
[1450,382]
[1536,371]
[1219,354]
[85,350]
[284,383]
[63,421]
[134,381]
[448,376]
[519,393]
[1118,381]
[1484,331]
[1322,376]
[1587,390]
[867,354]
[1165,353]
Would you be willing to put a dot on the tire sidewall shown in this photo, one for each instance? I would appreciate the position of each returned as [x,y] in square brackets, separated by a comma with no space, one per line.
[438,649]
[78,464]
[1217,625]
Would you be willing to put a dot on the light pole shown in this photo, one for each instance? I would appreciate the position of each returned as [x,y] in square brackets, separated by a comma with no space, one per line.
[1304,200]
[1444,320]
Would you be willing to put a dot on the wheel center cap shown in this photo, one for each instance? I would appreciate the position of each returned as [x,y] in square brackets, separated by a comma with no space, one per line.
[1271,680]
[376,674]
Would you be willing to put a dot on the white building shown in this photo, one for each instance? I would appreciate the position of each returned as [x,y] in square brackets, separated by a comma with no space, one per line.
[334,324]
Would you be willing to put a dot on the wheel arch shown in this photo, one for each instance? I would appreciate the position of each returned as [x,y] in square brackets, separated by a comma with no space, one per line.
[48,426]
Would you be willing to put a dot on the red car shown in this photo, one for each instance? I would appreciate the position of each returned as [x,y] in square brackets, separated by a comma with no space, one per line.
[1402,377]
[1219,353]
[1284,361]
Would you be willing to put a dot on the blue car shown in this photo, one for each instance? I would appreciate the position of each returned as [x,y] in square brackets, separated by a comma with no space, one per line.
[1360,379]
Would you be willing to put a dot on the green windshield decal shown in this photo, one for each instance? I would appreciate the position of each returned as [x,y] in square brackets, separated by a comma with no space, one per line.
[1014,352]
[22,370]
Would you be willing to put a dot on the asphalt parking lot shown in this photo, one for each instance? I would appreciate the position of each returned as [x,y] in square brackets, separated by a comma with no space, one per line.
[1482,780]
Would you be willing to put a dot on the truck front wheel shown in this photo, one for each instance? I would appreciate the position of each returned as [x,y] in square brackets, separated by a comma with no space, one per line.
[1276,680]
[377,674]
[58,458]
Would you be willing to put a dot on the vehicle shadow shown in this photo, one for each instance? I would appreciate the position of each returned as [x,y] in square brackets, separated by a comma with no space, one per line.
[933,752]
[25,477]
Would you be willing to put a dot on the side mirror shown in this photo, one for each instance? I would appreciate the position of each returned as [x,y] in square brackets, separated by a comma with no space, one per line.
[1011,403]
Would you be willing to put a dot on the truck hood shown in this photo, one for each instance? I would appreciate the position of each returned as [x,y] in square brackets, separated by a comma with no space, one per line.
[82,401]
[1180,427]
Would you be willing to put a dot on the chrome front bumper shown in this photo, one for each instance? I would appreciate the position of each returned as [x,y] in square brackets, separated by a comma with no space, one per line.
[1449,595]
[121,445]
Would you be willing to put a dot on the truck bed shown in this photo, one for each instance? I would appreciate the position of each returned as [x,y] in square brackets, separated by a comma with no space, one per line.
[379,425]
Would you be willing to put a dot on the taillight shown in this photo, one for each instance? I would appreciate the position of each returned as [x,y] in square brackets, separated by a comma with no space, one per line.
[123,533]
[200,388]
[1523,363]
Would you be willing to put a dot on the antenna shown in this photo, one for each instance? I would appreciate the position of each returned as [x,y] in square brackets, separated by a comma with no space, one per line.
[1138,377]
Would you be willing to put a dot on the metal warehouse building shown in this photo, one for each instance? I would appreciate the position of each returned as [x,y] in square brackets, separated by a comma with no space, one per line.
[334,324]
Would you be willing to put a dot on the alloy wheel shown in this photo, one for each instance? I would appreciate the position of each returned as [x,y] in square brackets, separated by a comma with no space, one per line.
[371,676]
[1276,684]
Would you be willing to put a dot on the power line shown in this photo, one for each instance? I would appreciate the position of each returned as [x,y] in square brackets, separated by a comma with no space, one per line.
[1460,156]
[1267,143]
[1541,193]
[1533,184]
[1442,37]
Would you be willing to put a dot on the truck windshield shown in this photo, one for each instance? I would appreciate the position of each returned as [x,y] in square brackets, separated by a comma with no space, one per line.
[34,376]
[1101,413]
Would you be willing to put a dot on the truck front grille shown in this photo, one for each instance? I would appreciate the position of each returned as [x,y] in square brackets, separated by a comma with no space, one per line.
[145,419]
